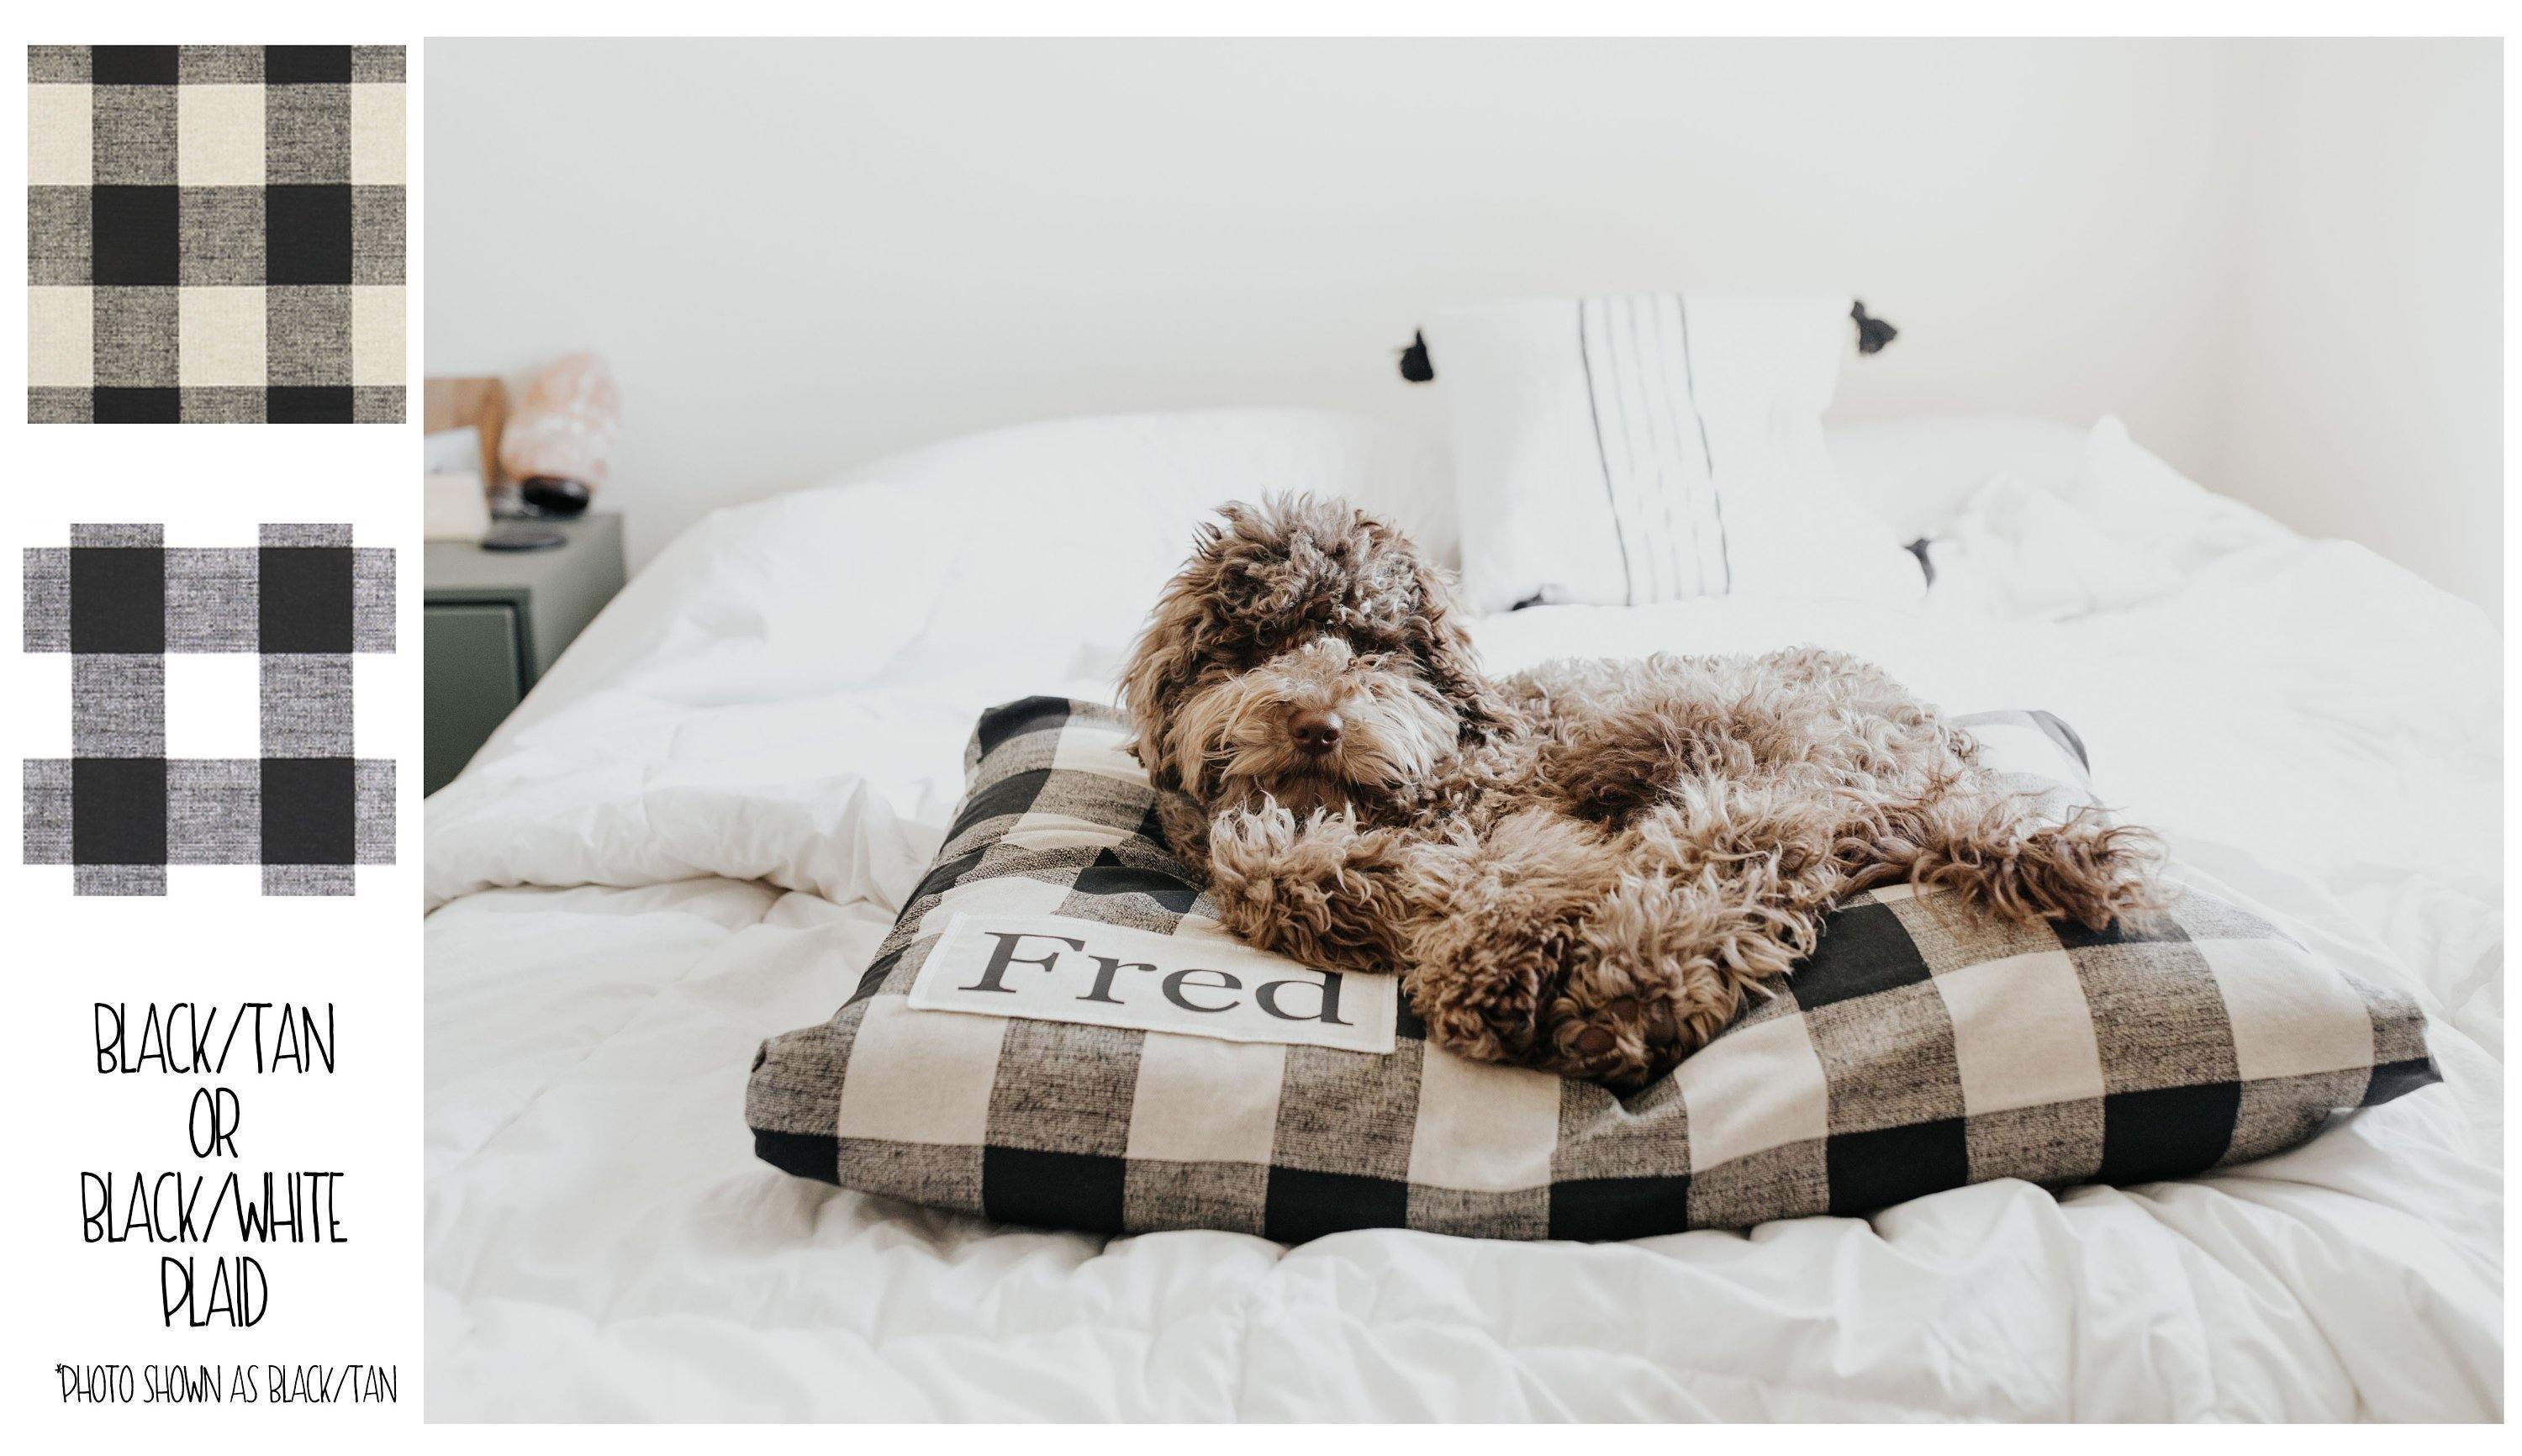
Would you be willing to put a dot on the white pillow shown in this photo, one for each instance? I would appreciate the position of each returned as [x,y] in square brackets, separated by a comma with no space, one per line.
[1645,448]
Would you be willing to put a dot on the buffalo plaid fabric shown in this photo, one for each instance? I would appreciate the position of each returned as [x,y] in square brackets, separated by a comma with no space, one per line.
[1919,1049]
[214,233]
[212,708]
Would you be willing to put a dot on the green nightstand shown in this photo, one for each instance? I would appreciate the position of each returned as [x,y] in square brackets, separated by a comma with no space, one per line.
[495,621]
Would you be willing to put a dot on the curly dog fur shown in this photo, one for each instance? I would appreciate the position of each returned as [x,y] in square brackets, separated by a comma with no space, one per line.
[1584,867]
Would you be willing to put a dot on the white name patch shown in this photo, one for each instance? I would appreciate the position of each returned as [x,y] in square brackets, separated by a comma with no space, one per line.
[1199,982]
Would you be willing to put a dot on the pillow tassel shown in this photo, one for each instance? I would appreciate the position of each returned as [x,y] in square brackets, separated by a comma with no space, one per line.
[1871,333]
[1414,359]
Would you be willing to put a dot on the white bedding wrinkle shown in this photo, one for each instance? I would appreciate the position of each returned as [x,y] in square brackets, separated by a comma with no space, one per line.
[695,835]
[2117,529]
[2018,552]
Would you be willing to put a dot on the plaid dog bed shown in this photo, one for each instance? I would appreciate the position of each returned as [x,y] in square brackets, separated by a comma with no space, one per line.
[1918,1050]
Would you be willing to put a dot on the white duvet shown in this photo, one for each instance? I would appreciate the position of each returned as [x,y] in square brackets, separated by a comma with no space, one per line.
[696,830]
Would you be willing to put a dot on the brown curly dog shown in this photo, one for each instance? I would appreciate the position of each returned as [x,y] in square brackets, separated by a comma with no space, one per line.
[1583,867]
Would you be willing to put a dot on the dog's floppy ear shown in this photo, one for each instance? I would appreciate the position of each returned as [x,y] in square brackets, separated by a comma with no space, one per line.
[1436,632]
[1165,661]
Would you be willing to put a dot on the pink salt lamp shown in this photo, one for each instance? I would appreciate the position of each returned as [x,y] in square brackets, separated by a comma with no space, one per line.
[559,443]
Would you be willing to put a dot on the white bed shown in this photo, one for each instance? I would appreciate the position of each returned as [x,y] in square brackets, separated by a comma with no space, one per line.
[697,828]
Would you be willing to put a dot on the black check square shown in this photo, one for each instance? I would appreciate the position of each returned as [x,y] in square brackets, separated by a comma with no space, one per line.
[2169,1132]
[311,405]
[2396,1079]
[118,600]
[307,65]
[306,234]
[169,189]
[306,599]
[132,64]
[1870,1170]
[1864,950]
[163,405]
[309,811]
[118,809]
[1303,1203]
[1110,875]
[1600,1208]
[1052,1190]
[135,236]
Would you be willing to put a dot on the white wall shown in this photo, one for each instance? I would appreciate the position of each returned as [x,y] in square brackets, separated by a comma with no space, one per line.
[2367,376]
[801,253]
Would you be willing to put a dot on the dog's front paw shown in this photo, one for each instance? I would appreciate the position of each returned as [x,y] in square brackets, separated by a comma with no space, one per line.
[1483,983]
[1539,995]
[1243,841]
[1546,955]
[1319,890]
[1663,968]
[1613,1026]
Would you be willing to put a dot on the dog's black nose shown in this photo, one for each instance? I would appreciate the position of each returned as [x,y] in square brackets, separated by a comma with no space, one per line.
[1317,731]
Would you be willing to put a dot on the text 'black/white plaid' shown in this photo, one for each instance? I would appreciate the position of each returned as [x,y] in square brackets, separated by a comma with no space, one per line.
[214,234]
[213,710]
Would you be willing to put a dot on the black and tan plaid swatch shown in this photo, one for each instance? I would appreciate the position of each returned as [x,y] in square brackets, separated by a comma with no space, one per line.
[214,234]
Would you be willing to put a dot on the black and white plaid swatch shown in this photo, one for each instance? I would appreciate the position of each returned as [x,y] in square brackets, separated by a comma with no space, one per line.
[246,652]
[214,234]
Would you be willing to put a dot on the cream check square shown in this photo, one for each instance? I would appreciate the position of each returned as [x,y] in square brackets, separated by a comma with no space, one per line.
[920,1076]
[376,135]
[2291,1013]
[1041,828]
[219,136]
[61,135]
[1200,1100]
[1481,1126]
[222,334]
[376,336]
[1094,753]
[61,335]
[1005,895]
[1756,1088]
[2022,1035]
